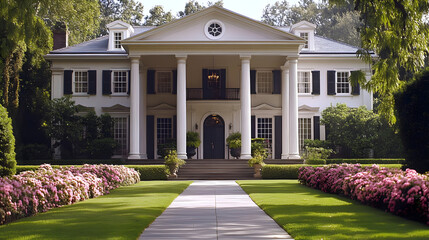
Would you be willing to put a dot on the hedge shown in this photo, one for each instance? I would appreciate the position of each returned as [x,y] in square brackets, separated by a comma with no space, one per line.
[366,161]
[112,161]
[151,172]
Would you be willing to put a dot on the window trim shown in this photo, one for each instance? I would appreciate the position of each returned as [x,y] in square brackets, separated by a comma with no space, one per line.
[306,116]
[310,87]
[336,83]
[127,132]
[307,44]
[257,117]
[156,131]
[74,81]
[208,35]
[114,40]
[113,80]
[157,82]
[257,81]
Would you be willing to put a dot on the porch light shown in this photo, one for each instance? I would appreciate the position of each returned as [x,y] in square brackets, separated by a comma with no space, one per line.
[213,76]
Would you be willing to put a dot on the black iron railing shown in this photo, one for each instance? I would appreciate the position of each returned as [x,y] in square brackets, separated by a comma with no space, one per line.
[213,94]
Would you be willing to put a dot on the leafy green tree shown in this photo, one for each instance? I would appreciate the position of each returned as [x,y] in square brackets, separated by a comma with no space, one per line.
[352,129]
[191,7]
[7,145]
[158,16]
[397,32]
[129,11]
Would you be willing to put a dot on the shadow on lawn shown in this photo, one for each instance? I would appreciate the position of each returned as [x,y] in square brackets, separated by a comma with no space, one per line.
[311,214]
[123,214]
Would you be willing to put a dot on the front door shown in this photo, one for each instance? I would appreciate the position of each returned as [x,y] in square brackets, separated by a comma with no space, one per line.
[214,137]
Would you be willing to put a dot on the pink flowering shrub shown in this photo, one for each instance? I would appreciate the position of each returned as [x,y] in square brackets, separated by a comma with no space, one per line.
[404,193]
[32,192]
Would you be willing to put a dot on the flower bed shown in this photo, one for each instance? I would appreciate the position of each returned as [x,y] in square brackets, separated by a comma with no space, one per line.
[404,193]
[37,191]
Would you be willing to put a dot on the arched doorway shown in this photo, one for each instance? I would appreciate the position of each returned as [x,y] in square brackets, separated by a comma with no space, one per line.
[214,137]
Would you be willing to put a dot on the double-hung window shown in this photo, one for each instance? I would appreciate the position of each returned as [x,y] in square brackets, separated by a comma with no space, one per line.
[264,81]
[304,82]
[265,131]
[164,130]
[117,37]
[305,36]
[342,83]
[120,134]
[164,81]
[80,82]
[304,130]
[120,81]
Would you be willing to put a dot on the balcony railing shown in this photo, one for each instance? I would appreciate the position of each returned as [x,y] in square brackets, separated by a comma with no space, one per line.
[213,94]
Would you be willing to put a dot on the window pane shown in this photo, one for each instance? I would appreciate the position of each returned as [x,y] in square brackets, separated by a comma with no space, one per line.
[304,129]
[305,36]
[265,82]
[120,134]
[120,81]
[80,82]
[164,82]
[164,130]
[343,85]
[117,40]
[303,82]
[265,130]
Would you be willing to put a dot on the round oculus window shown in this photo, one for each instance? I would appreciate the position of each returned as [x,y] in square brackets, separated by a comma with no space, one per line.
[214,29]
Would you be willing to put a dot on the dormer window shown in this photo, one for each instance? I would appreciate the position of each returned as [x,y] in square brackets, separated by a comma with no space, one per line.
[117,40]
[305,36]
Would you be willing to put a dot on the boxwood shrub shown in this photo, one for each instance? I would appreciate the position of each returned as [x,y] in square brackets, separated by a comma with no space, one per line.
[274,171]
[151,172]
[315,161]
[367,161]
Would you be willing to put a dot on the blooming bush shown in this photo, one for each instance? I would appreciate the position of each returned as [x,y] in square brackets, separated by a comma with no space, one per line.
[404,193]
[32,192]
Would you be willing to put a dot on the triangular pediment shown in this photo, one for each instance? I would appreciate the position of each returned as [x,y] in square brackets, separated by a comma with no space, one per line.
[84,109]
[265,106]
[118,24]
[304,25]
[306,108]
[118,108]
[163,106]
[234,27]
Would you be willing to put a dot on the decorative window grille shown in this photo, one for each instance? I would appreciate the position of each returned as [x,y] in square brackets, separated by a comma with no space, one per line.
[304,129]
[305,36]
[117,39]
[304,82]
[164,130]
[343,85]
[214,29]
[265,82]
[265,130]
[80,82]
[120,81]
[120,134]
[164,80]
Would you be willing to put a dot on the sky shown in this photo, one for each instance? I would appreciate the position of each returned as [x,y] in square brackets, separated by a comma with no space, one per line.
[249,8]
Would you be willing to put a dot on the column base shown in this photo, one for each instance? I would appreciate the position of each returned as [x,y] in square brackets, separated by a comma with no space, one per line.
[182,155]
[143,156]
[134,156]
[245,156]
[285,156]
[294,156]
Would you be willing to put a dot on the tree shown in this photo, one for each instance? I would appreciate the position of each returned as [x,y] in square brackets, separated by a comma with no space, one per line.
[158,16]
[397,32]
[128,11]
[191,7]
[412,110]
[7,145]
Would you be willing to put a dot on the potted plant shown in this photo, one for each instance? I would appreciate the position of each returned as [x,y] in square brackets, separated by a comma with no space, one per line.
[234,143]
[173,163]
[192,142]
[257,161]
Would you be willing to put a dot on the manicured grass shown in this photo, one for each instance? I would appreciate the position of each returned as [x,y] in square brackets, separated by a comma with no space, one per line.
[307,213]
[122,214]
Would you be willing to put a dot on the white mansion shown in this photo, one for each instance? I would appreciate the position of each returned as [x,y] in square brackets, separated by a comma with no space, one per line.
[213,72]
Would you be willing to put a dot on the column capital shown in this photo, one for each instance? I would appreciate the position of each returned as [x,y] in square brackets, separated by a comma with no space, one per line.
[292,59]
[245,56]
[285,68]
[181,57]
[135,59]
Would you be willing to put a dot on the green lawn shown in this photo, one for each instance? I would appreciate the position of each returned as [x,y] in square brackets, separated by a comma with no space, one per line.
[122,214]
[306,213]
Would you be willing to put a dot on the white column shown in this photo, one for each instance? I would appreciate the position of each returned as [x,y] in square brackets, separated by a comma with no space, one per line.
[135,109]
[181,106]
[293,110]
[143,104]
[285,112]
[245,108]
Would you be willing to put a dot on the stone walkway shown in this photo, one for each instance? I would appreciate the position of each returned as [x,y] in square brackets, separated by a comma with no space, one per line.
[213,210]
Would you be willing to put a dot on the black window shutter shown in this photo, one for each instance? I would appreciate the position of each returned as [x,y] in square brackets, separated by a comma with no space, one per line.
[150,136]
[107,84]
[316,127]
[151,81]
[278,137]
[129,82]
[316,82]
[174,127]
[253,124]
[92,82]
[277,82]
[174,82]
[68,82]
[331,83]
[355,89]
[253,81]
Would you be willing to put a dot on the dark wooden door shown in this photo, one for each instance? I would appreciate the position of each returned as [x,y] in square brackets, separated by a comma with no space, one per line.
[214,137]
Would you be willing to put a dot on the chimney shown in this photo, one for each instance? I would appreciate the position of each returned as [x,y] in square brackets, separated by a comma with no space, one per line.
[60,35]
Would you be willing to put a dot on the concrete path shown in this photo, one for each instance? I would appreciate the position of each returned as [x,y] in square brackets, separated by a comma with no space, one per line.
[214,210]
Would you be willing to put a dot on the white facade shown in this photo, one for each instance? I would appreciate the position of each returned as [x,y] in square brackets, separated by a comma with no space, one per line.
[266,86]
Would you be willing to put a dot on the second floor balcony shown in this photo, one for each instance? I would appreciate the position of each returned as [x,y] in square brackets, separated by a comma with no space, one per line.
[213,94]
